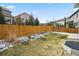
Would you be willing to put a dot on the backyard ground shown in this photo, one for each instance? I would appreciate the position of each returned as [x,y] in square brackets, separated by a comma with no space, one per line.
[50,47]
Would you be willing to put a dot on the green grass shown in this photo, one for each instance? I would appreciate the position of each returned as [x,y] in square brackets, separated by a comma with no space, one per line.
[51,46]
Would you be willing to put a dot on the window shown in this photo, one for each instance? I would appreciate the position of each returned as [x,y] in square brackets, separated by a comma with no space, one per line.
[71,24]
[8,20]
[77,23]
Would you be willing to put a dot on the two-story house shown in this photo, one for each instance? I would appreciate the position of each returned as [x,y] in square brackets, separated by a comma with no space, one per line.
[7,15]
[59,23]
[23,16]
[74,19]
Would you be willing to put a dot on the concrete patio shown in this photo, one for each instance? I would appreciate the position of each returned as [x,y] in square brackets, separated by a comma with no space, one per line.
[70,35]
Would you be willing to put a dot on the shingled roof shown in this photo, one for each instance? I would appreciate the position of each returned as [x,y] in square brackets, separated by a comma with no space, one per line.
[21,14]
[73,13]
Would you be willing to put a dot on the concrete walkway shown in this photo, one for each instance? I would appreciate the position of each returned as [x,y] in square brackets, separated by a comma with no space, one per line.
[70,35]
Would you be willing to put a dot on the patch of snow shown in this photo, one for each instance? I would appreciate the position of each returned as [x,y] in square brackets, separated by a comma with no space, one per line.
[23,38]
[4,45]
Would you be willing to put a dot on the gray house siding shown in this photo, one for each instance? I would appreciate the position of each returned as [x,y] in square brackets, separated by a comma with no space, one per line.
[75,18]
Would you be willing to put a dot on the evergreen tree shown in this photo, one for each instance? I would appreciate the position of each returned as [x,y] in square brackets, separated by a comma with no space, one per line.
[18,21]
[31,20]
[64,22]
[27,22]
[51,23]
[2,19]
[36,21]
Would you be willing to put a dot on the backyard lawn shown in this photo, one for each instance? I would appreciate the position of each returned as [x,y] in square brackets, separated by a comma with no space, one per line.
[50,47]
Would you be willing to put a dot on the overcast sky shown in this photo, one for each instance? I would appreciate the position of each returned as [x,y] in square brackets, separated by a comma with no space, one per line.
[44,11]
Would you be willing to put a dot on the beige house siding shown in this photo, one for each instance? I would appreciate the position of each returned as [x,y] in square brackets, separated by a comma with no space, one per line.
[23,16]
[61,21]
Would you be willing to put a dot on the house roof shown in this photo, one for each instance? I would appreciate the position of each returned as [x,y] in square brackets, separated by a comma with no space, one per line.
[6,9]
[21,14]
[73,13]
[58,20]
[61,20]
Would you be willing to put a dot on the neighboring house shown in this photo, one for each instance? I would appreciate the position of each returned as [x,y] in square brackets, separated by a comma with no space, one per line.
[61,21]
[23,16]
[73,19]
[7,15]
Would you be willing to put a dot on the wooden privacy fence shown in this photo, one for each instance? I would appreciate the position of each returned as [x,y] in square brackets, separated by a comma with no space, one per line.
[22,30]
[62,29]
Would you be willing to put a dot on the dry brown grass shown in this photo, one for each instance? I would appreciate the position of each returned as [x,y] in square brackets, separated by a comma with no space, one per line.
[51,47]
